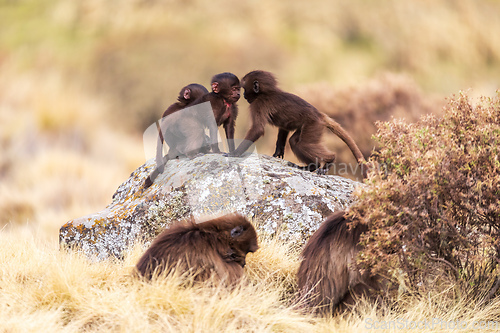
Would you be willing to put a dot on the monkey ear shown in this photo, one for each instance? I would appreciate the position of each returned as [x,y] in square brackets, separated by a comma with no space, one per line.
[215,87]
[187,93]
[237,231]
[256,87]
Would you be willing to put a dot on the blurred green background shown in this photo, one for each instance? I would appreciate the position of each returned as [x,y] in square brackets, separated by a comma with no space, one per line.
[80,80]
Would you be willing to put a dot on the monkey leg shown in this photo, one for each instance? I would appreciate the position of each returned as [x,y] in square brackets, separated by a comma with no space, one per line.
[306,145]
[280,143]
[326,167]
[151,178]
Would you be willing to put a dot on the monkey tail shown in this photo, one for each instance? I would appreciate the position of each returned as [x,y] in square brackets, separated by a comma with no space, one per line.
[341,133]
[158,127]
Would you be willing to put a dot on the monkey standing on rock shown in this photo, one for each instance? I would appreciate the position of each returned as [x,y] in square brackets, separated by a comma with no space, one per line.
[225,93]
[187,96]
[269,104]
[218,246]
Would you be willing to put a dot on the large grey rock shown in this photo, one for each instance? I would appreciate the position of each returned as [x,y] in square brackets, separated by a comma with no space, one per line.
[281,201]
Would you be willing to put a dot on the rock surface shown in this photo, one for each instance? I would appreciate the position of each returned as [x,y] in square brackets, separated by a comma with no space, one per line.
[280,200]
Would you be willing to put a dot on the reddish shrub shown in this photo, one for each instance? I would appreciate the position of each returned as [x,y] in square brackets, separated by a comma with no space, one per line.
[433,204]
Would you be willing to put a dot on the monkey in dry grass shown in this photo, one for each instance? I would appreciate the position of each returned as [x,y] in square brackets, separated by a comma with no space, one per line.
[288,112]
[327,277]
[218,246]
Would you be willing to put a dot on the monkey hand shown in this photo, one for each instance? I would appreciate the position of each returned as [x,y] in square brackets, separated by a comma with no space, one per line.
[279,155]
[279,152]
[321,171]
[231,154]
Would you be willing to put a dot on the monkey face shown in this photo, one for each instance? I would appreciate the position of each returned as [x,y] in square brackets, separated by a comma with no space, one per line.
[228,86]
[247,84]
[249,95]
[244,238]
[235,93]
[256,83]
[230,90]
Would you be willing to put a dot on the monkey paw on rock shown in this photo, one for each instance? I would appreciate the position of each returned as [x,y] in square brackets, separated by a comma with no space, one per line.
[279,154]
[151,178]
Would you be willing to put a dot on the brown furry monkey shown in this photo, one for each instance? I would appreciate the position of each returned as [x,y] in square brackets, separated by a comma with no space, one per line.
[288,112]
[327,276]
[218,246]
[187,96]
[225,93]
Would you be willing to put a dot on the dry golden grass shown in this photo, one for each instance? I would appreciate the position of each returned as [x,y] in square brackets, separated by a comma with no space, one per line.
[60,155]
[44,289]
[80,80]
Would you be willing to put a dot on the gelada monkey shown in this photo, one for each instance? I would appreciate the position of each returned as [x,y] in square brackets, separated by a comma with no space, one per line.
[225,93]
[288,112]
[218,246]
[327,277]
[187,96]
[223,97]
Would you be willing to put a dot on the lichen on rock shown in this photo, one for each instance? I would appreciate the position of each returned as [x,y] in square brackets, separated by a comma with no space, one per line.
[282,201]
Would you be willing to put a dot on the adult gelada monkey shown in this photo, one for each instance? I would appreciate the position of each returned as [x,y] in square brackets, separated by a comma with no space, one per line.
[187,96]
[218,246]
[288,112]
[327,277]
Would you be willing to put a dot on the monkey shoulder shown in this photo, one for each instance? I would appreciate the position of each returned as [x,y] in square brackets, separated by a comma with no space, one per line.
[172,109]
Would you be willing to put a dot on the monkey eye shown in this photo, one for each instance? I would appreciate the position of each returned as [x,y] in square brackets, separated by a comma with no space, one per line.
[237,231]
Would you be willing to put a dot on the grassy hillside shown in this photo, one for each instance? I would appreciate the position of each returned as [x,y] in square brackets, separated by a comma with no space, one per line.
[80,81]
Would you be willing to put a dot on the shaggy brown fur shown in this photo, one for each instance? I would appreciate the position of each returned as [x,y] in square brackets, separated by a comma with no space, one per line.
[327,276]
[218,246]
